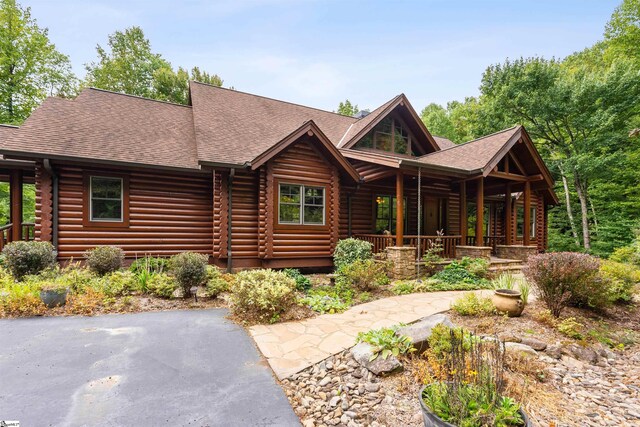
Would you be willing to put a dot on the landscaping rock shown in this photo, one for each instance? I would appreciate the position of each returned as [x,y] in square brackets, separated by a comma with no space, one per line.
[537,345]
[554,351]
[514,347]
[420,331]
[585,354]
[362,352]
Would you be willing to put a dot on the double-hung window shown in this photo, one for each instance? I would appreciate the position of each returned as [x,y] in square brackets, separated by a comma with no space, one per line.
[301,204]
[106,199]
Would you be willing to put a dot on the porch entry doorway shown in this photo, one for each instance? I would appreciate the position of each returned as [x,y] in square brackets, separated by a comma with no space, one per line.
[434,215]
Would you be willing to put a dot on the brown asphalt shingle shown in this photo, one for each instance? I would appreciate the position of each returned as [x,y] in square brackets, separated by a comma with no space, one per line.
[235,127]
[444,143]
[103,125]
[473,155]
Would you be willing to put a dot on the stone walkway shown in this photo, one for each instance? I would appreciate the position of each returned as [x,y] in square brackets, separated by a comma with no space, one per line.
[293,346]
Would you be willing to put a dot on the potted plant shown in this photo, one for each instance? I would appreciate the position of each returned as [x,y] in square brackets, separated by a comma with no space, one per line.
[506,298]
[53,294]
[469,384]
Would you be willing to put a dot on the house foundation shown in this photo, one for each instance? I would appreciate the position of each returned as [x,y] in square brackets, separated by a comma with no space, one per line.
[473,251]
[518,252]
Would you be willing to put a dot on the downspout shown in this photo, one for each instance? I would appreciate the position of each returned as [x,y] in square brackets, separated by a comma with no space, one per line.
[54,226]
[229,220]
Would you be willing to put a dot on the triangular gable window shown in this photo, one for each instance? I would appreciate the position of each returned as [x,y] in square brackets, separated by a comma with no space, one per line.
[390,135]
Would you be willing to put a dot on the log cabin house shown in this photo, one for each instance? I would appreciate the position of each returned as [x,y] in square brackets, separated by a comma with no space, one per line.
[254,181]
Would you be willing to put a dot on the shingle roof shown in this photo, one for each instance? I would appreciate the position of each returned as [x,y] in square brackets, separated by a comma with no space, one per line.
[107,126]
[444,143]
[357,126]
[235,127]
[473,155]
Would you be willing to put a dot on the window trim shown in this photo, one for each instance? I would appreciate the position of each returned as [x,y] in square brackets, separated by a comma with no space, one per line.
[87,220]
[302,186]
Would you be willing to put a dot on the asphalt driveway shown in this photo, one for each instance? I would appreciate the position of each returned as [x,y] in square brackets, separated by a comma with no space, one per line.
[171,368]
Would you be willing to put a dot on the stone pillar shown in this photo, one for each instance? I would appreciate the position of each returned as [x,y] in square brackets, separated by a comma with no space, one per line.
[473,251]
[518,252]
[403,262]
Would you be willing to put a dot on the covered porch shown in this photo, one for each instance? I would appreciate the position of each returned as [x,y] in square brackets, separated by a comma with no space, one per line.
[18,201]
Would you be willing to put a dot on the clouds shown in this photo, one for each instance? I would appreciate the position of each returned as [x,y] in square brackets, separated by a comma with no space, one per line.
[320,52]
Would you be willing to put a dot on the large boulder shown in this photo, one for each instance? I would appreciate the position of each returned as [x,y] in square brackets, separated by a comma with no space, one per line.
[537,345]
[363,352]
[420,331]
[517,348]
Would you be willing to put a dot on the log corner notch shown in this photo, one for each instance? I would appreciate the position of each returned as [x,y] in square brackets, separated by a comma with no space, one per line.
[15,194]
[399,208]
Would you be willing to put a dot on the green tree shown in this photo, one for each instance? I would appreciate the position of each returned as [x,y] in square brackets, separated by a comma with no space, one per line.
[622,32]
[30,66]
[577,116]
[173,86]
[128,66]
[347,109]
[436,119]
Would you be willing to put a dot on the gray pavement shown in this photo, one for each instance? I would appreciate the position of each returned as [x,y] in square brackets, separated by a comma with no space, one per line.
[172,368]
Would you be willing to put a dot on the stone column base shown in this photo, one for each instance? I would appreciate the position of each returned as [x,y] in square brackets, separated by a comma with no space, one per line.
[518,252]
[473,251]
[403,262]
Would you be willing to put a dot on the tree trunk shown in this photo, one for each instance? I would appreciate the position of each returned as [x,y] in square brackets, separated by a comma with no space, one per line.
[584,208]
[567,196]
[595,217]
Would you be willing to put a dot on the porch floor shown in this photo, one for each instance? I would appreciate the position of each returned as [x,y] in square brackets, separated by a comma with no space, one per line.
[294,346]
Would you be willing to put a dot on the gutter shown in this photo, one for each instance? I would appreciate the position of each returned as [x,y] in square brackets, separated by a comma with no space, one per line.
[232,173]
[55,211]
[427,166]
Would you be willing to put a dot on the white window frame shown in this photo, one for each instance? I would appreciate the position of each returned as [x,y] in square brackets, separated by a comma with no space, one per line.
[301,220]
[91,218]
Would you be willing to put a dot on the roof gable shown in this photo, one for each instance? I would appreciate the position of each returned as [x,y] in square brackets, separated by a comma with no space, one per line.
[401,106]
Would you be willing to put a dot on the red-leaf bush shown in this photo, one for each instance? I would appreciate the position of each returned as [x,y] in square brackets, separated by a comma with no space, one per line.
[567,278]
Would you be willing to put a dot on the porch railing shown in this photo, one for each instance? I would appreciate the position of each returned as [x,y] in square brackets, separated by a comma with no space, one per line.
[6,233]
[28,231]
[492,241]
[381,241]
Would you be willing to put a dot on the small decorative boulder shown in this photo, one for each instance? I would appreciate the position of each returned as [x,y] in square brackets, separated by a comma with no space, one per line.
[420,331]
[514,347]
[363,352]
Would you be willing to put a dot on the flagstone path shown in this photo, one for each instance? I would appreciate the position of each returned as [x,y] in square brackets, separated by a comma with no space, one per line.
[293,346]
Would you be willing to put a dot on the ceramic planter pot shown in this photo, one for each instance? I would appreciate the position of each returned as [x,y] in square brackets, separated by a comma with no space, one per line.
[432,420]
[54,297]
[508,301]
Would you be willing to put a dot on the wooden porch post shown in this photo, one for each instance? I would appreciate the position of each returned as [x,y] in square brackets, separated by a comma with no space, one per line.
[15,190]
[463,212]
[480,211]
[507,214]
[526,234]
[399,208]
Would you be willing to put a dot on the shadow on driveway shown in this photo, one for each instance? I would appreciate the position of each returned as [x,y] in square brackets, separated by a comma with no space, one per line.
[172,368]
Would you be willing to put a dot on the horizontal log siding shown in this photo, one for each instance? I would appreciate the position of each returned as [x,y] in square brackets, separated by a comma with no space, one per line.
[244,223]
[302,164]
[169,213]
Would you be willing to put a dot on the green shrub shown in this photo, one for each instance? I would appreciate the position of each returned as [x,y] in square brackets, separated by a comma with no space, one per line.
[351,250]
[161,285]
[150,264]
[262,294]
[386,342]
[468,270]
[471,305]
[189,269]
[564,278]
[404,287]
[119,283]
[571,328]
[364,275]
[442,338]
[23,258]
[105,259]
[324,303]
[505,281]
[216,284]
[302,282]
[623,279]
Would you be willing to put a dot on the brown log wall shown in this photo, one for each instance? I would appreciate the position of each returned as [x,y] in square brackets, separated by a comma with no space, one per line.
[44,204]
[169,213]
[244,223]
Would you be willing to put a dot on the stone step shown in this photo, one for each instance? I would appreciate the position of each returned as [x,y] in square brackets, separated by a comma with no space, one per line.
[515,269]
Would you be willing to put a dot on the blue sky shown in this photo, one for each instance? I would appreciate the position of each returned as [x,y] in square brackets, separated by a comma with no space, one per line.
[318,53]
